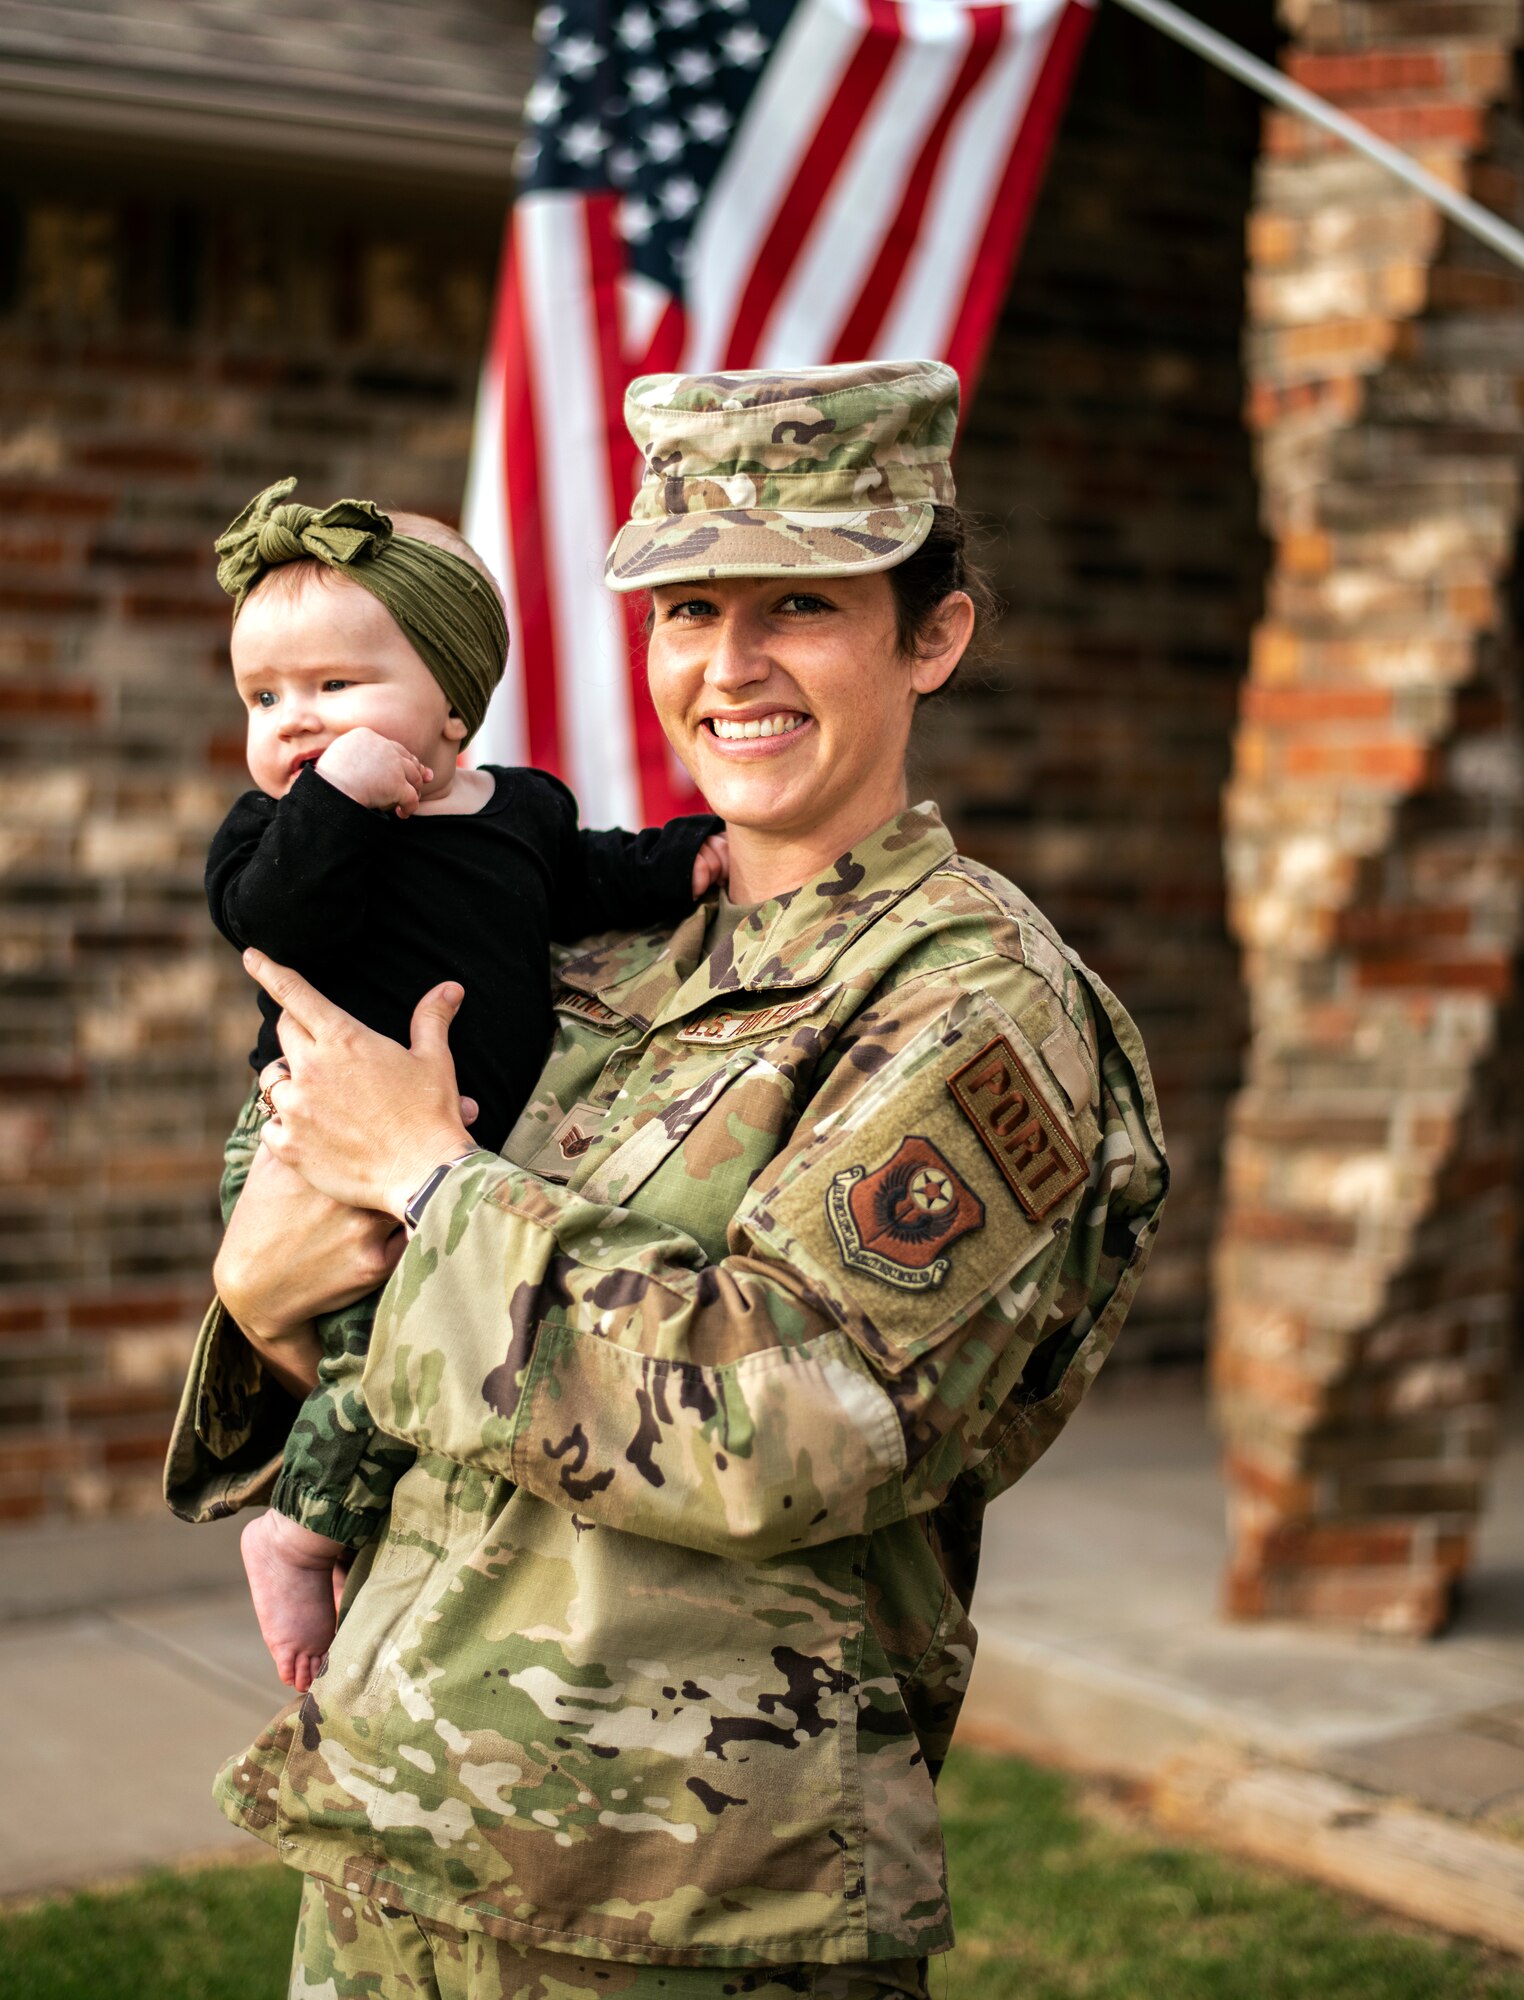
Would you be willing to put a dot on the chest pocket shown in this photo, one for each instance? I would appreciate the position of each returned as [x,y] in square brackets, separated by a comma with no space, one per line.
[573,1079]
[713,1117]
[674,1110]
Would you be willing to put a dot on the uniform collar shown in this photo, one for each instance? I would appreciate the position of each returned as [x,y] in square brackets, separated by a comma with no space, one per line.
[788,942]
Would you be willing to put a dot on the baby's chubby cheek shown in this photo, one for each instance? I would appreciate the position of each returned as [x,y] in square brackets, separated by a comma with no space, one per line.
[275,766]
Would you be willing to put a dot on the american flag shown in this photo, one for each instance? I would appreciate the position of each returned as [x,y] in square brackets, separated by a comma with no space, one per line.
[716,184]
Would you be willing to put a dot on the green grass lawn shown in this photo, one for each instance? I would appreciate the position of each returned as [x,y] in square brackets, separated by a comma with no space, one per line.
[1054,1902]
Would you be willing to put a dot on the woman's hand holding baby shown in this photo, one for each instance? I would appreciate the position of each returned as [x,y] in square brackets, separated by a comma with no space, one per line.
[290,1253]
[361,1118]
[374,771]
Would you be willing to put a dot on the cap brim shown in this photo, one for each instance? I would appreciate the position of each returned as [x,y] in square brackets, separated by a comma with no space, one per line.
[758,541]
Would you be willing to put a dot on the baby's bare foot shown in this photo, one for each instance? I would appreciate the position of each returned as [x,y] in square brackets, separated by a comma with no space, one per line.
[290,1572]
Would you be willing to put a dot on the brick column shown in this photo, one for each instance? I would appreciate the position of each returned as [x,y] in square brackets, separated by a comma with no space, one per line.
[1365,1264]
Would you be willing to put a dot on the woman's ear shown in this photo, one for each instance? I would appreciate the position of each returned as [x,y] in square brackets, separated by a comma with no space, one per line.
[944,641]
[455,728]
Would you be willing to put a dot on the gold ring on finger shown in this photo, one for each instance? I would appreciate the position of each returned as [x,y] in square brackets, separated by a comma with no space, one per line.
[267,1095]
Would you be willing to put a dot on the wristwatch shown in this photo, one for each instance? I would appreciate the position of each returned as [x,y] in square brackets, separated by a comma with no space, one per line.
[419,1199]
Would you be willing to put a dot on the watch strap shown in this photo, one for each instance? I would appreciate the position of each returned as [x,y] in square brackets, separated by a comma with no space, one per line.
[421,1196]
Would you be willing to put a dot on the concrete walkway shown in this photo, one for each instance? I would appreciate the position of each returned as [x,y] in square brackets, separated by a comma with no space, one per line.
[1392,1769]
[1097,1610]
[130,1666]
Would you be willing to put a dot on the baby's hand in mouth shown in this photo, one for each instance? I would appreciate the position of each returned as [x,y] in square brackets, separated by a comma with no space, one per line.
[374,771]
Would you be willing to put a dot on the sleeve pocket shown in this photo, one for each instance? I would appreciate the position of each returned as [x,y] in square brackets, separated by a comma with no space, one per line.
[902,1218]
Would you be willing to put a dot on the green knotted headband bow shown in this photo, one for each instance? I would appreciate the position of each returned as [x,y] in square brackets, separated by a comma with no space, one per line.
[451,615]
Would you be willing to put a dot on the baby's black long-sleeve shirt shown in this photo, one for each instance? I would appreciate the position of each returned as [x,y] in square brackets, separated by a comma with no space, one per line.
[374,911]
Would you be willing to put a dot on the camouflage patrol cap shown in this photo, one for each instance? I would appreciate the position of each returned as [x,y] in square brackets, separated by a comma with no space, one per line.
[766,472]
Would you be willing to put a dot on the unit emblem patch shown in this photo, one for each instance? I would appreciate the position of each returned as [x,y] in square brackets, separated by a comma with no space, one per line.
[1018,1128]
[896,1221]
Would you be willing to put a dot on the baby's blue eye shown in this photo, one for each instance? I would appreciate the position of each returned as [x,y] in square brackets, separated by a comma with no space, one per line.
[333,687]
[264,699]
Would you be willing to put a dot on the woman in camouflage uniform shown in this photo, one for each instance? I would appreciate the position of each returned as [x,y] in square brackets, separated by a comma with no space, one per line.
[823,1218]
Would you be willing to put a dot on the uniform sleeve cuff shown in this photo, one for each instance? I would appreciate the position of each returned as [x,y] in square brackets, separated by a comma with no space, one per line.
[324,1514]
[230,1430]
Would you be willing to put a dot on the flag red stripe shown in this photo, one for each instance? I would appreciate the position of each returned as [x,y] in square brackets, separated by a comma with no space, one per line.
[665,348]
[537,669]
[1015,197]
[673,792]
[606,261]
[856,339]
[810,189]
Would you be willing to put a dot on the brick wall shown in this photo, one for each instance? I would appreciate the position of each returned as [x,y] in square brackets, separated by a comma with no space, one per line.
[1367,1279]
[159,359]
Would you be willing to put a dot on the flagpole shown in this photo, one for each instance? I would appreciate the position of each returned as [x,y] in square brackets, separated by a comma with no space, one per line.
[1490,229]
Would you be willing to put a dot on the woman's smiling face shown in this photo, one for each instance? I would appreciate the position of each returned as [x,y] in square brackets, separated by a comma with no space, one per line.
[789,699]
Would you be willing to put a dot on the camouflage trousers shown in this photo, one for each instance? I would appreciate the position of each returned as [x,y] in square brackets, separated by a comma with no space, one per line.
[350,1948]
[338,1470]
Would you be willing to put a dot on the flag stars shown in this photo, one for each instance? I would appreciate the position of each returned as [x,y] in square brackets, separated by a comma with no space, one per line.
[578,55]
[709,123]
[635,220]
[679,197]
[636,28]
[640,100]
[744,46]
[664,142]
[647,85]
[545,102]
[584,142]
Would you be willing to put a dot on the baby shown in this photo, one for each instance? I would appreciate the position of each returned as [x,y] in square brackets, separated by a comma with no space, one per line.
[365,649]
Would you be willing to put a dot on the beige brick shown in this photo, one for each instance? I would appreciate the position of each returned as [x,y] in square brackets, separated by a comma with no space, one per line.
[1358,1372]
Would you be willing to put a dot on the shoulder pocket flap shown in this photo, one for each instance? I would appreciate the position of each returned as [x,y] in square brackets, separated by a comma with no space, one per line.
[914,1211]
